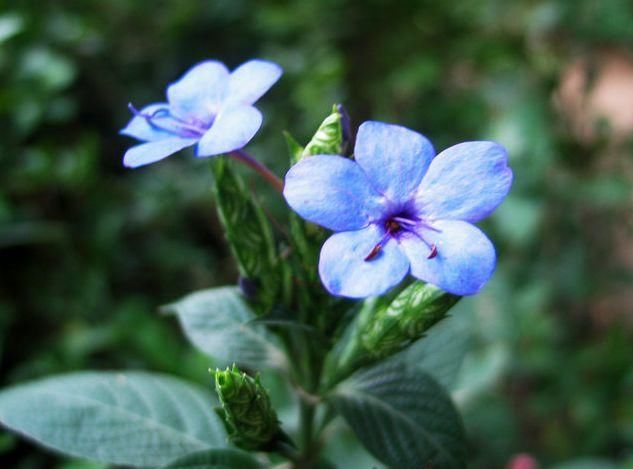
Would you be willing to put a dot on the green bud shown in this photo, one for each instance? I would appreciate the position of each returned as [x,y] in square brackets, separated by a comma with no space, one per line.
[380,330]
[250,420]
[331,138]
[248,233]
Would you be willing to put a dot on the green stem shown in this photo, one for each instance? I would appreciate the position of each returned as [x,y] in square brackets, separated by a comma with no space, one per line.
[307,423]
[266,173]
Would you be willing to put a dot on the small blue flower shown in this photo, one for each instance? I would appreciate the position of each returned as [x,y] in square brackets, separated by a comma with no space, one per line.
[208,106]
[398,209]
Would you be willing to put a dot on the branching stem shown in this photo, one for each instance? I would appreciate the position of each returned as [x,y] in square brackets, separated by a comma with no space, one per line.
[266,173]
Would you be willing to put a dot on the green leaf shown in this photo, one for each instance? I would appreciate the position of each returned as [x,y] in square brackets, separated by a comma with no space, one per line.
[441,352]
[403,417]
[219,323]
[248,233]
[224,458]
[135,419]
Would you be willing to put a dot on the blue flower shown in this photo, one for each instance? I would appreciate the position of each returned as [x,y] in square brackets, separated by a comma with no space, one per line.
[208,106]
[400,209]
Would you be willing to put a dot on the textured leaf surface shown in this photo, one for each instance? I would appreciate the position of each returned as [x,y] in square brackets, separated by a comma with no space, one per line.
[135,419]
[217,321]
[216,459]
[404,418]
[441,352]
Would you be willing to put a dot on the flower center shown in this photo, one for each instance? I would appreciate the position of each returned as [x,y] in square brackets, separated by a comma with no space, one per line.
[396,225]
[161,119]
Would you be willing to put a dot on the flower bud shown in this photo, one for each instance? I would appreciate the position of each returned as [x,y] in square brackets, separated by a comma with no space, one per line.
[332,136]
[249,235]
[250,420]
[380,330]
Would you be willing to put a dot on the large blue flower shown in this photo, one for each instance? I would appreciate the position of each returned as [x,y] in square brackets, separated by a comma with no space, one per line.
[208,106]
[398,208]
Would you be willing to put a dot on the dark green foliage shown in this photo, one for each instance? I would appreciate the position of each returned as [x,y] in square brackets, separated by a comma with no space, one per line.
[402,416]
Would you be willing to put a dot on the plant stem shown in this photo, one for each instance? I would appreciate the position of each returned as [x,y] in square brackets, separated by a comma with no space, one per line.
[307,423]
[266,173]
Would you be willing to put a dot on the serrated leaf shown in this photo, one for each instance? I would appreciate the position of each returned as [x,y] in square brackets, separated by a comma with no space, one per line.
[219,323]
[224,458]
[403,417]
[135,419]
[248,233]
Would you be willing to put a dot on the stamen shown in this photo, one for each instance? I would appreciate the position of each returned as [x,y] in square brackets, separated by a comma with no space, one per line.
[182,128]
[404,221]
[374,252]
[378,247]
[396,224]
[134,111]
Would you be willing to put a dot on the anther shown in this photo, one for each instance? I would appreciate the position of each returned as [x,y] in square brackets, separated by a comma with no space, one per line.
[374,252]
[433,252]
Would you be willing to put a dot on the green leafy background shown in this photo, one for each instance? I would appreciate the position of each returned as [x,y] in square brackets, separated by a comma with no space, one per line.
[89,250]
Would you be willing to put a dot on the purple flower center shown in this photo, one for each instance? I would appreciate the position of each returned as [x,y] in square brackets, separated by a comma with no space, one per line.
[399,224]
[162,119]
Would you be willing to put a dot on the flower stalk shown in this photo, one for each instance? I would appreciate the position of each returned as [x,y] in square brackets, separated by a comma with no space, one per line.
[270,177]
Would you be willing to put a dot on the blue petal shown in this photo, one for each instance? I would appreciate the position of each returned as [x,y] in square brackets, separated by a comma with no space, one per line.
[345,272]
[151,152]
[139,128]
[200,92]
[394,158]
[333,192]
[251,80]
[233,129]
[465,257]
[465,182]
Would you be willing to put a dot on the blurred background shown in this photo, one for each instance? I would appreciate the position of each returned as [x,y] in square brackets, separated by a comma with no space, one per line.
[89,250]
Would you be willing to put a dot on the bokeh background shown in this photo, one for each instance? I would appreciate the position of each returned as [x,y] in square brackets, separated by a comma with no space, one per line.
[89,250]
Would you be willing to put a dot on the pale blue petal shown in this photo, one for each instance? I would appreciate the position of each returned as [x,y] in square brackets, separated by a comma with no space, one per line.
[333,192]
[232,130]
[139,128]
[251,80]
[465,257]
[199,94]
[465,182]
[151,152]
[345,272]
[394,158]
